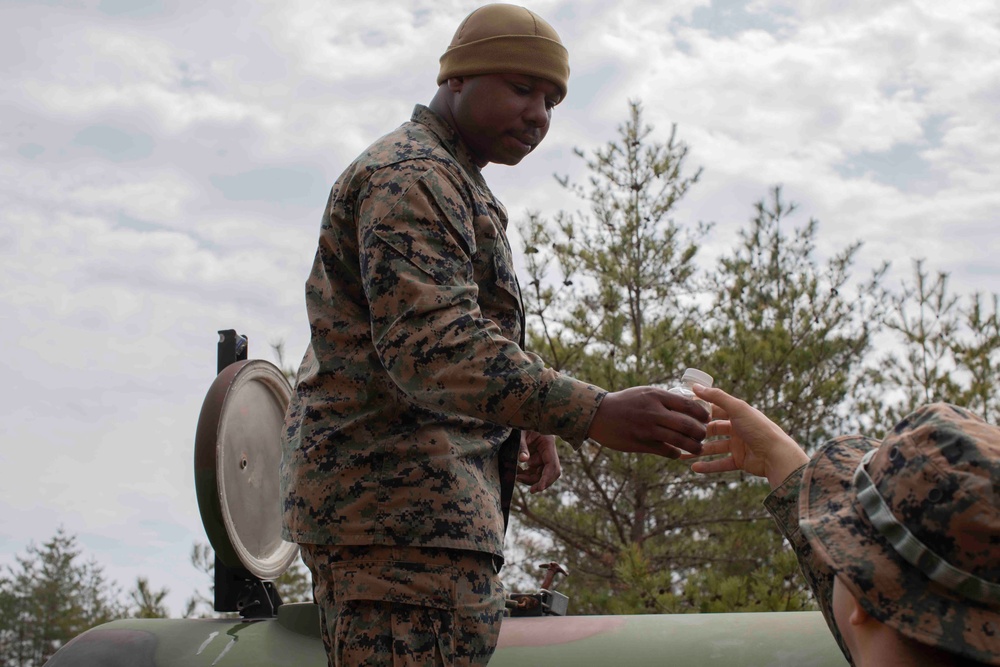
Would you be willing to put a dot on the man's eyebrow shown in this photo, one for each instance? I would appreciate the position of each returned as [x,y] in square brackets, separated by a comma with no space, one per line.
[538,80]
[535,82]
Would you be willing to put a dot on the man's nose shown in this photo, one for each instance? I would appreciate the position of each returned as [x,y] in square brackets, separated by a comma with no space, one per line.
[537,112]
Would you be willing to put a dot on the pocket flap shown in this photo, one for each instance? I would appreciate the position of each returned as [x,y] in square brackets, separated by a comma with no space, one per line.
[407,583]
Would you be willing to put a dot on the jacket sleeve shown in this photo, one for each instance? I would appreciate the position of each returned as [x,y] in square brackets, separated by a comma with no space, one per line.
[783,505]
[417,239]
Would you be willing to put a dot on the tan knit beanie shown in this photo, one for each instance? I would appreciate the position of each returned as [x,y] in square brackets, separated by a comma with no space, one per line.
[506,39]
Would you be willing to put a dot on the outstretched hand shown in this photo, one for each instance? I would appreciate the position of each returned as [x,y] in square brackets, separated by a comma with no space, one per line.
[538,461]
[649,420]
[755,444]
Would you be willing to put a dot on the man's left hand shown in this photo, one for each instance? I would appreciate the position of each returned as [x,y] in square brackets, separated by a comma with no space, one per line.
[538,461]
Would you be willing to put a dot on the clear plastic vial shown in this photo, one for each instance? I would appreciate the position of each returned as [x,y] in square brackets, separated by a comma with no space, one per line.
[691,377]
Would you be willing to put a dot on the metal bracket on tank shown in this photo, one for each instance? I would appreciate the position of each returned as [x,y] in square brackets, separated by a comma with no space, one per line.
[546,602]
[235,457]
[236,590]
[258,599]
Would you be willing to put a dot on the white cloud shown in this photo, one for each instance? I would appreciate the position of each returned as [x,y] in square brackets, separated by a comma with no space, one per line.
[878,118]
[363,50]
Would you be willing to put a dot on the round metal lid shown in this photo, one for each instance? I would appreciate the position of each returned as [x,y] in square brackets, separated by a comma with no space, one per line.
[237,453]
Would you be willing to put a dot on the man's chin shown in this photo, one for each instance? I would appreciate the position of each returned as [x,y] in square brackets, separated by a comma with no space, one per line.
[509,160]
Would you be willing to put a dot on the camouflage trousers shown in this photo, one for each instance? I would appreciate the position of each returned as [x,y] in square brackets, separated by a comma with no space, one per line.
[383,606]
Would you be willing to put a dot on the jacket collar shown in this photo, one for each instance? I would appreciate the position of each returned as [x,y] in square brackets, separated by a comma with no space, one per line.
[450,140]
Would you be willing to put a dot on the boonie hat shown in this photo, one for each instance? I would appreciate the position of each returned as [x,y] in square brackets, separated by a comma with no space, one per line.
[911,526]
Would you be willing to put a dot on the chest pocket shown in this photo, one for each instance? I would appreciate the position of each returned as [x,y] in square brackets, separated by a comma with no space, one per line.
[493,264]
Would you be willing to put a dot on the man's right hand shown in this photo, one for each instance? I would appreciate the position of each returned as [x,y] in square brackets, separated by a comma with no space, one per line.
[754,443]
[649,420]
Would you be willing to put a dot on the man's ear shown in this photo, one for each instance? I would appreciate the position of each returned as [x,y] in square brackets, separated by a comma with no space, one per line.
[858,614]
[455,83]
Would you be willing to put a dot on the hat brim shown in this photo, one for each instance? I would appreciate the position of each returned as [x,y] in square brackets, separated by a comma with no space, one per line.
[888,588]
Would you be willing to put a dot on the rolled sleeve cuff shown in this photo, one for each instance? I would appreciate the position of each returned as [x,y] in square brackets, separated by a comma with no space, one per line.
[783,505]
[565,407]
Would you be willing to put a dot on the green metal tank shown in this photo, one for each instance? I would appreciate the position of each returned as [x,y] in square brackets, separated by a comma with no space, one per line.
[237,454]
[798,639]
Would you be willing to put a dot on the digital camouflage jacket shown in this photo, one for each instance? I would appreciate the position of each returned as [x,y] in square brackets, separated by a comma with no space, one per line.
[414,376]
[783,505]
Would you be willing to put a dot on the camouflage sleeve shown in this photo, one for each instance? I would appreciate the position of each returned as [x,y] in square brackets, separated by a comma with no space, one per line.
[783,505]
[417,235]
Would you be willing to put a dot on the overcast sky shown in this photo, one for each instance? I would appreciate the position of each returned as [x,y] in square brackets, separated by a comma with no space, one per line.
[165,164]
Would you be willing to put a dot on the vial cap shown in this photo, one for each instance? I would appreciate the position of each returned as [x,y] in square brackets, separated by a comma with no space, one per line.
[696,376]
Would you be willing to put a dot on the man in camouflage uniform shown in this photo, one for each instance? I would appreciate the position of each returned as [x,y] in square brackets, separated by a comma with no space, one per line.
[416,398]
[899,540]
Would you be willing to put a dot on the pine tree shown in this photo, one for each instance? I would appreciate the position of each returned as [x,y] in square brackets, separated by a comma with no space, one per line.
[641,533]
[626,272]
[51,596]
[790,335]
[938,346]
[787,333]
[147,602]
